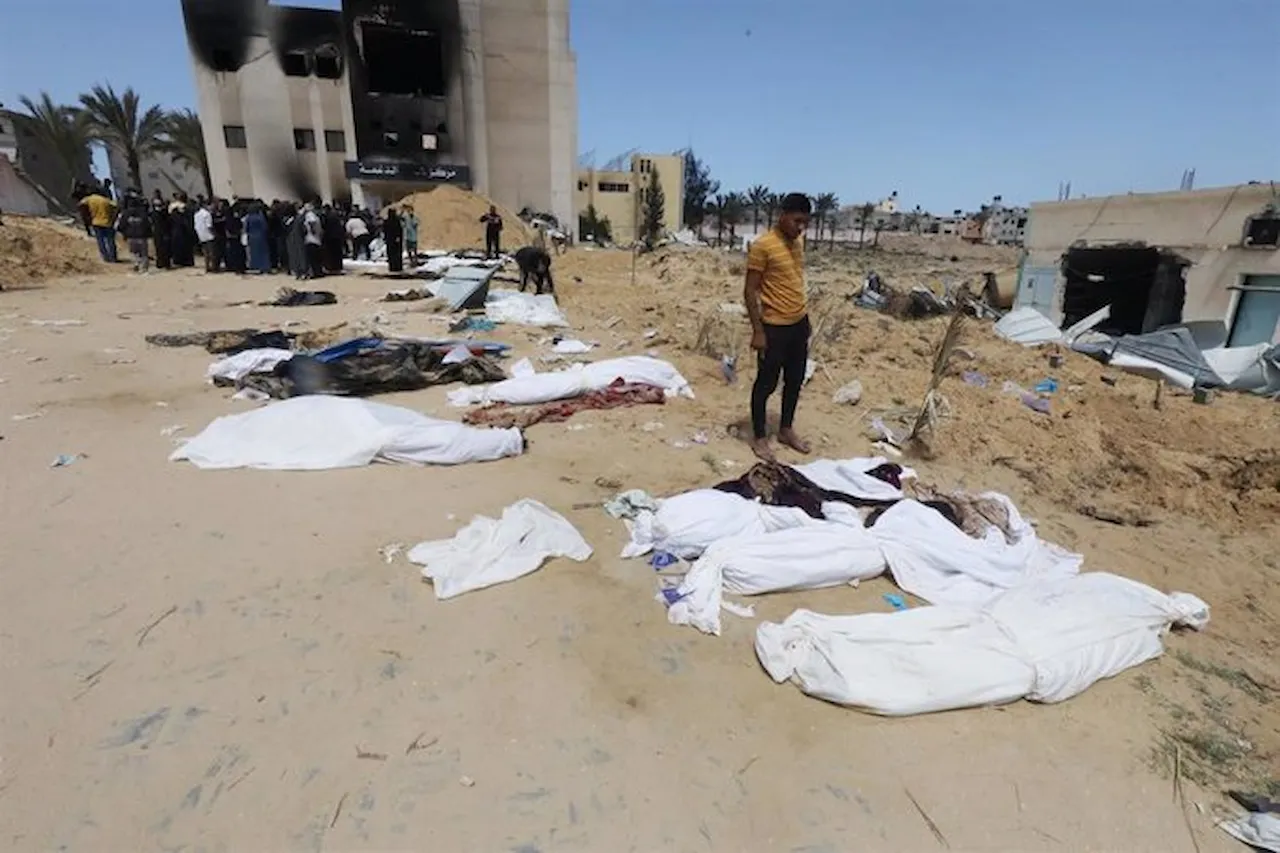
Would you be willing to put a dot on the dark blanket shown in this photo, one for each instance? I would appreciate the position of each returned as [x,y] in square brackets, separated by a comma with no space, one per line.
[393,367]
[228,342]
[775,484]
[290,298]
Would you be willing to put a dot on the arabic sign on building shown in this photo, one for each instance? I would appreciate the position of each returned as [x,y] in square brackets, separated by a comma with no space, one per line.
[417,172]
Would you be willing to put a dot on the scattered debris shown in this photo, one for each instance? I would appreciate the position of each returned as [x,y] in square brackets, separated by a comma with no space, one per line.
[897,602]
[467,782]
[391,551]
[849,394]
[370,756]
[29,416]
[142,635]
[419,743]
[62,460]
[172,430]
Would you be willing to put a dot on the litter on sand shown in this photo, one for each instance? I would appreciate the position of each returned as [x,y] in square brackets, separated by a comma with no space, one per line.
[615,396]
[492,551]
[525,309]
[62,460]
[321,432]
[1047,640]
[1260,830]
[630,503]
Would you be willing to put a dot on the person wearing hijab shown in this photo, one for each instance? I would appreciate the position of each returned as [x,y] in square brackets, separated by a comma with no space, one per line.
[257,235]
[182,232]
[393,234]
[160,231]
[234,230]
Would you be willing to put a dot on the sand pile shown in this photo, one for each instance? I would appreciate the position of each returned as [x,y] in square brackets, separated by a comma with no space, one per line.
[34,249]
[449,218]
[1103,450]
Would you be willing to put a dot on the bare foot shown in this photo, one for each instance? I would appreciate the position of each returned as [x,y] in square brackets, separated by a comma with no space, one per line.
[760,447]
[790,439]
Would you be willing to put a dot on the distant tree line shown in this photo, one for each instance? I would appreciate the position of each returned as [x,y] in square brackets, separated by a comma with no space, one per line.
[118,120]
[703,200]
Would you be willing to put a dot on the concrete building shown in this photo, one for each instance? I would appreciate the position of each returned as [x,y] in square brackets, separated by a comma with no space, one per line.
[1004,226]
[619,194]
[1159,259]
[34,163]
[385,98]
[159,172]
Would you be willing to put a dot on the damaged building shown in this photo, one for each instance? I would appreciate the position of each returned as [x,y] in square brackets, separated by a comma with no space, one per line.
[387,97]
[1207,258]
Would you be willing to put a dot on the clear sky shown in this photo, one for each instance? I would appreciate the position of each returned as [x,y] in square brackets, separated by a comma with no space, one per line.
[946,101]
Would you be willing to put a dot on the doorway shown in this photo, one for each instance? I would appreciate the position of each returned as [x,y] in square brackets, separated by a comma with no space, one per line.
[1145,287]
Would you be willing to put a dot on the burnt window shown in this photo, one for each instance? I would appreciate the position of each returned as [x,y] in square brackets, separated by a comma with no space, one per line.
[335,141]
[582,186]
[402,62]
[296,63]
[304,139]
[607,187]
[234,136]
[391,139]
[328,63]
[222,59]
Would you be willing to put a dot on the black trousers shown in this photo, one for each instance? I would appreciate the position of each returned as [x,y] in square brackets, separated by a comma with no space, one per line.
[492,243]
[785,353]
[315,260]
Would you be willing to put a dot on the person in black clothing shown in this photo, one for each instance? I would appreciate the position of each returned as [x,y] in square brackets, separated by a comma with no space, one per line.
[492,232]
[393,234]
[217,248]
[535,263]
[334,239]
[161,231]
[135,225]
[275,234]
[234,252]
[182,232]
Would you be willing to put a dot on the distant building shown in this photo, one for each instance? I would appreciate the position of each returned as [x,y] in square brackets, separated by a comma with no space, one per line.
[35,163]
[1159,259]
[384,98]
[888,206]
[619,194]
[1005,226]
[159,172]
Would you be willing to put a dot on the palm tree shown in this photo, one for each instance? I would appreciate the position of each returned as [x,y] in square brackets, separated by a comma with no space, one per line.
[183,142]
[864,216]
[824,206]
[758,200]
[735,211]
[64,131]
[120,121]
[771,206]
[716,208]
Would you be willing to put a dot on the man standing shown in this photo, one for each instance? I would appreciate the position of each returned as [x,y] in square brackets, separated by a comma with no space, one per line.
[492,232]
[410,222]
[135,225]
[775,297]
[204,236]
[101,213]
[312,240]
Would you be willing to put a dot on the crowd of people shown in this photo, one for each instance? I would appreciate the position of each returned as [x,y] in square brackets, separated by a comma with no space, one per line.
[243,236]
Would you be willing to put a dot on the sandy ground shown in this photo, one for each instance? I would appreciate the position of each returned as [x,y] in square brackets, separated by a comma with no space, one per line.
[222,661]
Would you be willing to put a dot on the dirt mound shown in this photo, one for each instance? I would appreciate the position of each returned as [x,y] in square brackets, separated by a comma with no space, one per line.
[34,249]
[449,218]
[1104,450]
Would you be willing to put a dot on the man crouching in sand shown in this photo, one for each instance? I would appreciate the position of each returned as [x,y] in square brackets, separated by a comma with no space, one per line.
[775,297]
[535,263]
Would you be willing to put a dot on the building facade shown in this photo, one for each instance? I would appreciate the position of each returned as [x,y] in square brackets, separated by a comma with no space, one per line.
[158,172]
[1159,259]
[34,163]
[387,97]
[619,195]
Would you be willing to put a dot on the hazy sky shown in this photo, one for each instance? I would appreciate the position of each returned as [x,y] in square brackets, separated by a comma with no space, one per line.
[947,101]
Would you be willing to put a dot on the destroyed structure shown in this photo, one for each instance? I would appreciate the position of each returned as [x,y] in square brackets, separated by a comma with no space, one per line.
[386,97]
[1207,258]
